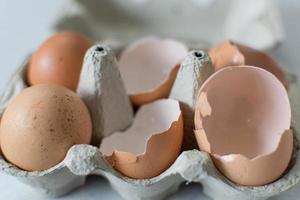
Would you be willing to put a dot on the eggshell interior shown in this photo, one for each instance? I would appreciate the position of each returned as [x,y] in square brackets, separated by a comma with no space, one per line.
[149,67]
[248,111]
[243,119]
[151,144]
[261,170]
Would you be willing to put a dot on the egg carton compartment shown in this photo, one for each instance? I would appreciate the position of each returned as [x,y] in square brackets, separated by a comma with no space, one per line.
[101,88]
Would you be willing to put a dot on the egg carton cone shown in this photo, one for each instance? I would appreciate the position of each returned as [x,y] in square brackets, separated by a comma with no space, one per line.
[102,89]
[256,23]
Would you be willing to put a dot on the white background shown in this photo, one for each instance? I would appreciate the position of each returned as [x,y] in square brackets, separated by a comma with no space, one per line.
[25,24]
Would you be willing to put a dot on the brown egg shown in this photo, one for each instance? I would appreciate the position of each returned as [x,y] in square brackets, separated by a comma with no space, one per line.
[150,145]
[59,60]
[40,125]
[243,119]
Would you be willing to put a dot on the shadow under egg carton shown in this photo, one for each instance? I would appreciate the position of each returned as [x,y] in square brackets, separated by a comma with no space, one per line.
[102,90]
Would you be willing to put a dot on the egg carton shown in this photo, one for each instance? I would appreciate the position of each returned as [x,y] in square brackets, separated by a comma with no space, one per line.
[255,23]
[102,89]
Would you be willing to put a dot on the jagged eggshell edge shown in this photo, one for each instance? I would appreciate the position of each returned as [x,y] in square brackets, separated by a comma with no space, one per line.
[154,160]
[162,89]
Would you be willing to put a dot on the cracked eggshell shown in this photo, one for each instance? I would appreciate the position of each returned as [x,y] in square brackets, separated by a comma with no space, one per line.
[229,53]
[243,119]
[226,54]
[149,67]
[40,125]
[150,145]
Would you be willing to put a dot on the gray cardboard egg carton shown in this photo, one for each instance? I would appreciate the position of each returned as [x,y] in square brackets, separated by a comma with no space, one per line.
[255,23]
[103,91]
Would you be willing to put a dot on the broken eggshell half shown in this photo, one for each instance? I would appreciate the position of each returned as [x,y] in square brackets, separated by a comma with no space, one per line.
[149,67]
[229,53]
[150,145]
[243,119]
[226,54]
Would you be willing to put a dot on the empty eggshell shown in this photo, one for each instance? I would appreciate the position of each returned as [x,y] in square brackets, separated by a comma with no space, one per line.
[59,60]
[243,119]
[149,67]
[150,145]
[226,54]
[40,125]
[229,53]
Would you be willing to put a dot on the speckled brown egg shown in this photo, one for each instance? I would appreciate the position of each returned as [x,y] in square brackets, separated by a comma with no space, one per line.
[40,125]
[59,60]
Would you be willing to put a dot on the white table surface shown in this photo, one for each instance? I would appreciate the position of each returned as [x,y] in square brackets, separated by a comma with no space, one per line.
[25,24]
